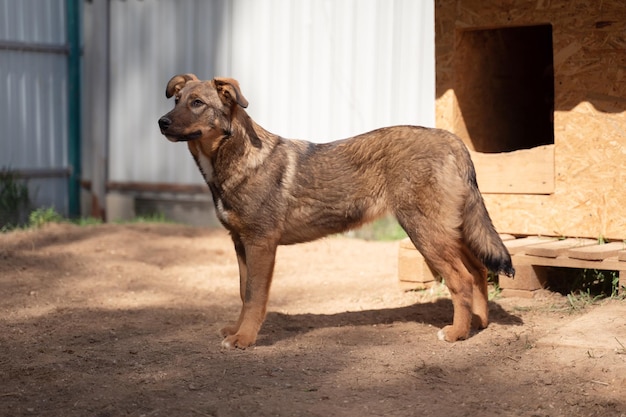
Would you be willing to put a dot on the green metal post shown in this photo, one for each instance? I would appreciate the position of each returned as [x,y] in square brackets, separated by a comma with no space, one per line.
[72,10]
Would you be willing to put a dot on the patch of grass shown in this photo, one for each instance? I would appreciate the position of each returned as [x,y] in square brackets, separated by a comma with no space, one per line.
[598,282]
[494,286]
[383,229]
[44,215]
[150,218]
[434,292]
[581,300]
[41,216]
[87,221]
[594,285]
[494,292]
[585,287]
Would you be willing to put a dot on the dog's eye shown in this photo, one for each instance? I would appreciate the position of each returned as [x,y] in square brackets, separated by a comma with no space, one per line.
[176,100]
[197,103]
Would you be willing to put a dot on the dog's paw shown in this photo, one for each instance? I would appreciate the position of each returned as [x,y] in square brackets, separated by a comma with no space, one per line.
[237,341]
[479,323]
[448,334]
[228,330]
[441,335]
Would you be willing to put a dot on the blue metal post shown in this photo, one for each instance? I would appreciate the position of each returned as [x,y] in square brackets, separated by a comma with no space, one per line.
[72,10]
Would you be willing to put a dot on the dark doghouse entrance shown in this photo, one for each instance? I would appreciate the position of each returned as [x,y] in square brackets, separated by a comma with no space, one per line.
[505,88]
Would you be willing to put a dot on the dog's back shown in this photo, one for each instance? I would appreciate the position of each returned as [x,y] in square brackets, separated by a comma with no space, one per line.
[408,171]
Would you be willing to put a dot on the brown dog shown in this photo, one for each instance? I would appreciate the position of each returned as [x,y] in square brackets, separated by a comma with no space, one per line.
[270,191]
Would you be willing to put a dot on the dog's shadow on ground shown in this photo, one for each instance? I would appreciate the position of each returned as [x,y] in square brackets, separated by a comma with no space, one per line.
[279,326]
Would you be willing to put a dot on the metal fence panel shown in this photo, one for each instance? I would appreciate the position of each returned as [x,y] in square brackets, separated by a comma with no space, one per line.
[33,108]
[33,21]
[150,42]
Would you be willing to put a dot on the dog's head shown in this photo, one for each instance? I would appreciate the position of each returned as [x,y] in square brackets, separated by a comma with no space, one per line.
[203,109]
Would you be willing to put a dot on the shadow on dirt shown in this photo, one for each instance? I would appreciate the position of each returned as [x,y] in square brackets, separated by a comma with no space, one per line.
[167,361]
[53,234]
[279,326]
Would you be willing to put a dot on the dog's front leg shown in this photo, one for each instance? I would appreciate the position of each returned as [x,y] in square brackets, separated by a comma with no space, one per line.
[243,277]
[256,266]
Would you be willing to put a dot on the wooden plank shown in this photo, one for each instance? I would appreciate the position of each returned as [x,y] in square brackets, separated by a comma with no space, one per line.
[622,256]
[519,245]
[559,247]
[597,252]
[527,277]
[610,264]
[508,293]
[413,270]
[500,172]
[506,237]
[407,244]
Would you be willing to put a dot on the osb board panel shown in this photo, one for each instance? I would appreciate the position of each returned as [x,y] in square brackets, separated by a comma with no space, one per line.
[527,171]
[590,173]
[590,111]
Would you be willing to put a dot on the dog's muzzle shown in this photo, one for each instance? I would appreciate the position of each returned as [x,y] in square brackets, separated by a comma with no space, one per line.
[165,123]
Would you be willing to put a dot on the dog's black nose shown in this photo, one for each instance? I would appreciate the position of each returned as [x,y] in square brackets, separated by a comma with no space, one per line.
[164,123]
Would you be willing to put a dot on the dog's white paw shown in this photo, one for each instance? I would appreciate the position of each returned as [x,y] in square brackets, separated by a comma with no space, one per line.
[441,335]
[237,341]
[226,344]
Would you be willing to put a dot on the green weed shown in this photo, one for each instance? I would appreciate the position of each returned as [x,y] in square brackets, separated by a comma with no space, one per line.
[45,215]
[599,282]
[41,216]
[581,300]
[384,229]
[87,221]
[149,218]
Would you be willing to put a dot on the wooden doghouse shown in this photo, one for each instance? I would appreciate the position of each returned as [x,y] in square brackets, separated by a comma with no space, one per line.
[537,90]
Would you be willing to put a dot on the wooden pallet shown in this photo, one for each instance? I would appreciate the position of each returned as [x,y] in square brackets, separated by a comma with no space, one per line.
[413,273]
[530,256]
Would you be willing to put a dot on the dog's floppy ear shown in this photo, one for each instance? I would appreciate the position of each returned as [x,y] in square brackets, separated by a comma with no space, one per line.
[229,92]
[177,83]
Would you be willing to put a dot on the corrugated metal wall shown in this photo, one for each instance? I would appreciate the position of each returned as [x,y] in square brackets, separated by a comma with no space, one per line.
[33,105]
[312,69]
[325,70]
[150,42]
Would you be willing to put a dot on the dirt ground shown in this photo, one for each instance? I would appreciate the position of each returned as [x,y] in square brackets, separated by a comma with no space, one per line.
[122,320]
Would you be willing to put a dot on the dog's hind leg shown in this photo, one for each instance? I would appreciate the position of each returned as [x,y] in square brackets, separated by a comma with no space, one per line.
[442,250]
[446,258]
[480,306]
[255,285]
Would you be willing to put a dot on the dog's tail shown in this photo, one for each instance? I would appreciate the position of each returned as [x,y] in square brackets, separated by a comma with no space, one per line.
[479,233]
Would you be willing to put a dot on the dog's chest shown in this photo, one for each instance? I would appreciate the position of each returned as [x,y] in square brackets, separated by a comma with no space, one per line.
[221,212]
[206,167]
